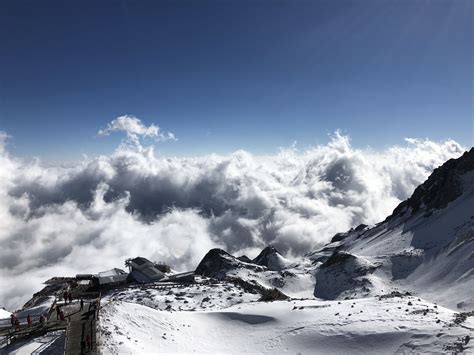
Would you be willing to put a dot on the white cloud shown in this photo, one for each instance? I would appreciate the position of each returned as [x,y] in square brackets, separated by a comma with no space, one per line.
[134,128]
[89,217]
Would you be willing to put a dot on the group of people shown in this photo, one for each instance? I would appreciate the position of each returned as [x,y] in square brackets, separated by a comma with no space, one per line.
[60,313]
[67,296]
[15,322]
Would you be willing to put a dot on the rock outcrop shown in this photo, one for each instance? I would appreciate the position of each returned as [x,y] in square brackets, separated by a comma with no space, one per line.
[271,258]
[217,262]
[442,186]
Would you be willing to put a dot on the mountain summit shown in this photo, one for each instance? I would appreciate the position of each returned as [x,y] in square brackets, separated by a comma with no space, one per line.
[271,258]
[425,246]
[444,185]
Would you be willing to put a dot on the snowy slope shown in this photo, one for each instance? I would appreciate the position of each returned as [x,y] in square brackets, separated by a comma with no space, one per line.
[51,343]
[34,311]
[404,285]
[426,246]
[357,326]
[200,296]
[4,313]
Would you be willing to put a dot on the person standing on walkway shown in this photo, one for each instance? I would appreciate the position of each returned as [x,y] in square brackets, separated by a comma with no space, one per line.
[58,311]
[82,304]
[83,345]
[88,341]
[70,297]
[28,320]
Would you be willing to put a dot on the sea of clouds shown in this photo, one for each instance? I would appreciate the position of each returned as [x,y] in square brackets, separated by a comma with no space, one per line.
[91,216]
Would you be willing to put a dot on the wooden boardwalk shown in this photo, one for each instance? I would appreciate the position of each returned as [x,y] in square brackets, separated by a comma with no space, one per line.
[81,327]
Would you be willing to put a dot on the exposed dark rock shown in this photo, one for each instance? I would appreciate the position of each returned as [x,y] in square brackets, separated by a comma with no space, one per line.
[270,258]
[339,236]
[343,273]
[461,317]
[322,255]
[216,263]
[250,286]
[338,257]
[392,294]
[286,273]
[360,227]
[277,281]
[245,259]
[442,186]
[264,257]
[273,295]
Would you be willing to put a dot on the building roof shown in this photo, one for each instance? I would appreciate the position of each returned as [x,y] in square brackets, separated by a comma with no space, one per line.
[139,277]
[140,260]
[143,270]
[112,279]
[153,273]
[111,272]
[112,276]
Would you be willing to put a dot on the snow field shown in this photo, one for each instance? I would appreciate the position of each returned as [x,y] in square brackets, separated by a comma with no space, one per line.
[368,325]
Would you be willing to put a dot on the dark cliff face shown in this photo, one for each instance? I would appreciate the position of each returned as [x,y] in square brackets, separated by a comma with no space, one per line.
[442,186]
[263,258]
[216,263]
[245,259]
[361,228]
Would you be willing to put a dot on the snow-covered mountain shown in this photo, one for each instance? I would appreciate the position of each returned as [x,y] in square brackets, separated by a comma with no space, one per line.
[272,259]
[403,285]
[4,313]
[425,246]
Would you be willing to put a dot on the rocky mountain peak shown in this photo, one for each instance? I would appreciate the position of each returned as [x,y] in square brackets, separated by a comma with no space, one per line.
[442,186]
[271,258]
[217,262]
[264,257]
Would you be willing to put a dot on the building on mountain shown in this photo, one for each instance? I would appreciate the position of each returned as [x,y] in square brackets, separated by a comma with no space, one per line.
[143,270]
[87,280]
[112,277]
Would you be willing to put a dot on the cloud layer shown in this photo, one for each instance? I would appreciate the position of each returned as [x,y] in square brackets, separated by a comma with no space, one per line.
[92,216]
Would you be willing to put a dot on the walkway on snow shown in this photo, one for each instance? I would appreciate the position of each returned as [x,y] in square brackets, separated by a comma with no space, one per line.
[78,324]
[81,326]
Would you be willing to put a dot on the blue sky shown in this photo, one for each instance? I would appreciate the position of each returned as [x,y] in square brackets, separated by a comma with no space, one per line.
[227,75]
